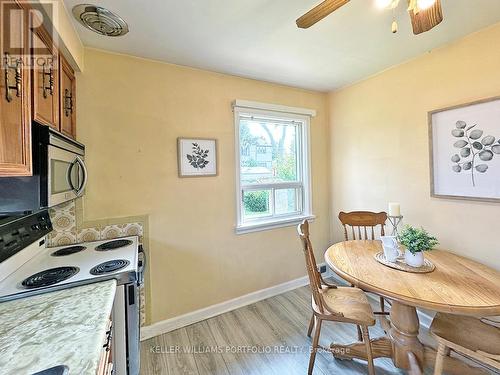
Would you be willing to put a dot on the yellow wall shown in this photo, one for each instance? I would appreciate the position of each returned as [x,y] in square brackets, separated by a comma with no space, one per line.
[130,112]
[379,142]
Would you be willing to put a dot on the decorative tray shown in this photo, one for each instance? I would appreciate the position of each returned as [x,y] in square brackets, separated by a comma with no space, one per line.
[399,264]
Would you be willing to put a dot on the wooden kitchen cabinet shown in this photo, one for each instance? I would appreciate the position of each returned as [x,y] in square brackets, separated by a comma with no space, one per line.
[36,84]
[67,94]
[15,119]
[45,79]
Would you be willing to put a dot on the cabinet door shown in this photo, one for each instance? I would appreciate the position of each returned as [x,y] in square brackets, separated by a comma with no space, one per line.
[15,124]
[67,93]
[45,79]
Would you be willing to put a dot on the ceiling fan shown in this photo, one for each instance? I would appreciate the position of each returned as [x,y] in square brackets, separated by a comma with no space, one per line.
[424,14]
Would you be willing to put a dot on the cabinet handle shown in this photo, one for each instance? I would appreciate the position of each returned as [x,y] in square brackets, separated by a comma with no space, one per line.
[109,337]
[50,87]
[68,102]
[107,346]
[17,70]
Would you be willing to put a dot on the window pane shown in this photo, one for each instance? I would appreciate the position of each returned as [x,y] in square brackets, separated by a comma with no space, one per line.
[256,204]
[287,201]
[268,151]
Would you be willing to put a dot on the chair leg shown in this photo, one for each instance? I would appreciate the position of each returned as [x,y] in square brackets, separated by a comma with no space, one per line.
[382,304]
[369,355]
[315,346]
[311,326]
[360,336]
[442,352]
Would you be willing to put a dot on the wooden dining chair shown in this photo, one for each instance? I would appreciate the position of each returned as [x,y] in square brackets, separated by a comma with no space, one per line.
[334,303]
[468,336]
[362,226]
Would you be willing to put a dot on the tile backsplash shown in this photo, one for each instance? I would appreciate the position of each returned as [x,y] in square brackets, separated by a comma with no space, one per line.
[68,230]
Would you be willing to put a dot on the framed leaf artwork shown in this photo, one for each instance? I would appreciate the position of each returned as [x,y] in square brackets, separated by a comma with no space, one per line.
[465,151]
[197,157]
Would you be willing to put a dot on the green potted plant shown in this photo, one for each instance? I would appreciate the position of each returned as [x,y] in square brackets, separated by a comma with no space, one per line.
[416,241]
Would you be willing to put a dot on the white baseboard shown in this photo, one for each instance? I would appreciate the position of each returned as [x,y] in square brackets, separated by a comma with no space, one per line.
[196,316]
[180,321]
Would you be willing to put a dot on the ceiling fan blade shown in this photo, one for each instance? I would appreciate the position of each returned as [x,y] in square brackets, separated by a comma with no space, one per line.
[319,12]
[426,19]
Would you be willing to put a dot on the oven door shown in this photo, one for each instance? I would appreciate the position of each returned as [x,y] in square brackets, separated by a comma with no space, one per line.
[67,176]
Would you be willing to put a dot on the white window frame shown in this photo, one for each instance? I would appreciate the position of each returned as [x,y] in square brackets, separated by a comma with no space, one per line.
[301,115]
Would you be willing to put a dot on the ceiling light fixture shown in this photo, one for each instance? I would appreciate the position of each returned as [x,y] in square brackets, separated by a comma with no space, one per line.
[414,8]
[424,14]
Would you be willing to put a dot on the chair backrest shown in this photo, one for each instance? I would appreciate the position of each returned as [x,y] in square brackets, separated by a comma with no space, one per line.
[312,269]
[362,219]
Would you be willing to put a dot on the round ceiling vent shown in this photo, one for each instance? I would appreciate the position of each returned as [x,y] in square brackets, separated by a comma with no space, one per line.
[100,20]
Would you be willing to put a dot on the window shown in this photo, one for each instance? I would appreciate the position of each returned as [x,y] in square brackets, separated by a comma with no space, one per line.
[273,179]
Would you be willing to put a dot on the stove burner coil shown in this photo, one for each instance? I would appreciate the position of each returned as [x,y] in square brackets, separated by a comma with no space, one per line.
[115,244]
[109,266]
[49,277]
[68,251]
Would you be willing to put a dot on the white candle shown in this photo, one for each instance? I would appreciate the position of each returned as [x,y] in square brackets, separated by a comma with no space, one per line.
[394,209]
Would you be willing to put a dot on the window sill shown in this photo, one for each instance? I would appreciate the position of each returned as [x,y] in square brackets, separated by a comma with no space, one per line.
[262,226]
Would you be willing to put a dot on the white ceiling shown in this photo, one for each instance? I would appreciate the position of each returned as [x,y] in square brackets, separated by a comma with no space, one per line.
[258,38]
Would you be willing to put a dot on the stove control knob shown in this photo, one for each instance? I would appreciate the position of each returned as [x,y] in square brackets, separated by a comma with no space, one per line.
[11,243]
[35,227]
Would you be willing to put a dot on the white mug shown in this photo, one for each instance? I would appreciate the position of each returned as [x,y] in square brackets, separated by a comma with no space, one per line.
[391,248]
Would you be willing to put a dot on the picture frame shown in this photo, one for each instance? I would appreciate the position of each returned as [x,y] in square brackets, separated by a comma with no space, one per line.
[464,151]
[197,157]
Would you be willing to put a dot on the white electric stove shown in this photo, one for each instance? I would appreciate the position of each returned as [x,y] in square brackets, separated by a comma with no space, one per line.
[28,267]
[55,268]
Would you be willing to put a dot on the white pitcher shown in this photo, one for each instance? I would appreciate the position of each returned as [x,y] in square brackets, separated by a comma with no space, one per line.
[391,248]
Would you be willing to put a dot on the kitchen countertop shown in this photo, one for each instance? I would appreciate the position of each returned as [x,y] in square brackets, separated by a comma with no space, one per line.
[66,327]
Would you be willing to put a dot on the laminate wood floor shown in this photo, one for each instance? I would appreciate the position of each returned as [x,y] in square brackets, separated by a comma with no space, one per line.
[267,337]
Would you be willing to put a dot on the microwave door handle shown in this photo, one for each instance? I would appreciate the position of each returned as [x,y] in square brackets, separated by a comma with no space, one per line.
[84,177]
[70,180]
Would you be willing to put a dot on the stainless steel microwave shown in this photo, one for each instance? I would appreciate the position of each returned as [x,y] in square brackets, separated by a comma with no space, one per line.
[59,174]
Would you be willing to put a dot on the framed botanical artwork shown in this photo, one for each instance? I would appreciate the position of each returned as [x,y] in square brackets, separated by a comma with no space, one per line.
[465,151]
[197,157]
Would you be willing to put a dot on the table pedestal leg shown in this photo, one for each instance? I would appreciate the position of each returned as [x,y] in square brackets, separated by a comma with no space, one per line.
[404,335]
[381,347]
[403,346]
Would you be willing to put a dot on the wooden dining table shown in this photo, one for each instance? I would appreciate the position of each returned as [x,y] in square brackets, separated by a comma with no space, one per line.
[457,286]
